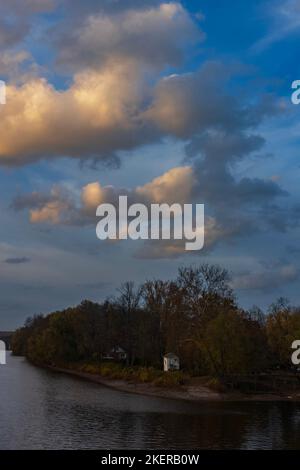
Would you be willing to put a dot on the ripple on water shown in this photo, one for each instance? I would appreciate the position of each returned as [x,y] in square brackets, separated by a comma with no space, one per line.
[40,409]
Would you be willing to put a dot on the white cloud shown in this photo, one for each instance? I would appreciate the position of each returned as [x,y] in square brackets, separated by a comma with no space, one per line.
[97,115]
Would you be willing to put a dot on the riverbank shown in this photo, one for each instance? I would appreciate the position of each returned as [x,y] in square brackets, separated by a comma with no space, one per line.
[56,411]
[192,391]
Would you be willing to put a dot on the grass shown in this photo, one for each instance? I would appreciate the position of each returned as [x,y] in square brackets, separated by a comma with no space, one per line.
[149,375]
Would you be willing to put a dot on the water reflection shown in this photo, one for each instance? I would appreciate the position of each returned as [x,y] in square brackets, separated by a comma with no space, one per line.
[40,409]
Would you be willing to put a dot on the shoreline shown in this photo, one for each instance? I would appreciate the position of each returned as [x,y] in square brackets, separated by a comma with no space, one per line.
[190,393]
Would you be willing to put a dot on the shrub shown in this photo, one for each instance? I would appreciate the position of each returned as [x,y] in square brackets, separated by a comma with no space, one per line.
[170,379]
[216,385]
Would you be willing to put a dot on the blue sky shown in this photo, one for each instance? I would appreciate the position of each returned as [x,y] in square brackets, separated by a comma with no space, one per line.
[190,98]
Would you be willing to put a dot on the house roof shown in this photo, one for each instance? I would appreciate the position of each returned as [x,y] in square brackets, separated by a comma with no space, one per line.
[171,356]
[117,349]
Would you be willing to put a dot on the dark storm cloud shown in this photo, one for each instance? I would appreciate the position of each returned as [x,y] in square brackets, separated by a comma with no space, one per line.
[214,154]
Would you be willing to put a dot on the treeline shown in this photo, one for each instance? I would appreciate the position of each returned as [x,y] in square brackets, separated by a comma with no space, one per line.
[195,316]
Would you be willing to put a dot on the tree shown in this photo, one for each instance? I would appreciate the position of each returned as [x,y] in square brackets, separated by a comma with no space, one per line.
[128,301]
[234,344]
[282,327]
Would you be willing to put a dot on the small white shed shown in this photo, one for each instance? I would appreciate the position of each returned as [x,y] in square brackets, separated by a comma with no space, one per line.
[2,353]
[171,362]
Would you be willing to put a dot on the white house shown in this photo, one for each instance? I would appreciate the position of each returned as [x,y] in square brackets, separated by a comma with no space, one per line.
[115,354]
[171,362]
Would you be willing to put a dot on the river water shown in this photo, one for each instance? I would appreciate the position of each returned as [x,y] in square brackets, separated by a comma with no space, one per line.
[40,409]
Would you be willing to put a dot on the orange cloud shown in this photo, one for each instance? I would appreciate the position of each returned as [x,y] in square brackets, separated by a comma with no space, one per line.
[173,186]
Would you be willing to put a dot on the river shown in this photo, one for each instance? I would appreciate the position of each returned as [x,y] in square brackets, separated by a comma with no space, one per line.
[40,409]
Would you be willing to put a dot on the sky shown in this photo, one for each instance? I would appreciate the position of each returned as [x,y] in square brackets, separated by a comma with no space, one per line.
[164,102]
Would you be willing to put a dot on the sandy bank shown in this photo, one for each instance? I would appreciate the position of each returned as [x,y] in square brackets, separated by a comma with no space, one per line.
[191,392]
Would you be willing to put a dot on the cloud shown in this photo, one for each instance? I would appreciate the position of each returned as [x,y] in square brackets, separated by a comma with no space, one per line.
[119,99]
[28,7]
[241,205]
[114,108]
[267,279]
[108,6]
[17,260]
[103,109]
[155,35]
[176,185]
[92,195]
[15,22]
[219,131]
[285,21]
[172,249]
[46,208]
[98,115]
[51,213]
[61,207]
[11,65]
[214,155]
[189,103]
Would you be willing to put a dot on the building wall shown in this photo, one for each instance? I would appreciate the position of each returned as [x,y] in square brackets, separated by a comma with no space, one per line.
[171,364]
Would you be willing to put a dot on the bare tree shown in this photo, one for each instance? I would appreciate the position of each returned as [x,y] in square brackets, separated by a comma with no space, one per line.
[129,301]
